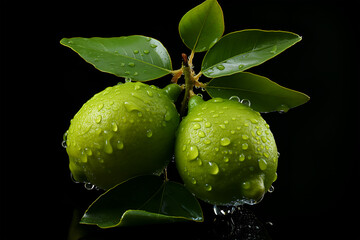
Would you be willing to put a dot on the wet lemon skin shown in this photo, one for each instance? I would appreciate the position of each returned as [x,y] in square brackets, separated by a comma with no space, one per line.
[226,153]
[124,131]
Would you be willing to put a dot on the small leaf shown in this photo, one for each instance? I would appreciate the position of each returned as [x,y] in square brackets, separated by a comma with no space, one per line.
[137,57]
[238,51]
[263,94]
[143,200]
[201,27]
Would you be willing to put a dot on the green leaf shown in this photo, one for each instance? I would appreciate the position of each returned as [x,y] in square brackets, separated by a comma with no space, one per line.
[137,57]
[263,94]
[238,51]
[143,200]
[201,27]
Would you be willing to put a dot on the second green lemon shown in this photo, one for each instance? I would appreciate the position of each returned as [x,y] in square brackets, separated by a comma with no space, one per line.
[124,131]
[225,152]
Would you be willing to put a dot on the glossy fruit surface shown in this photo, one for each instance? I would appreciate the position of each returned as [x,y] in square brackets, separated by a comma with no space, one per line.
[225,152]
[124,131]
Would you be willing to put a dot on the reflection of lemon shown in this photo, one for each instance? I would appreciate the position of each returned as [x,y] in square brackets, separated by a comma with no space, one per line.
[225,152]
[123,131]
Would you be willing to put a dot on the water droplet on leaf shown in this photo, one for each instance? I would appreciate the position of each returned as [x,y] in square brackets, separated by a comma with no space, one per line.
[246,102]
[235,98]
[220,67]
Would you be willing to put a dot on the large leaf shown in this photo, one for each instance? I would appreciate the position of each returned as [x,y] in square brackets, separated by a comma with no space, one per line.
[238,51]
[143,200]
[137,57]
[264,95]
[201,27]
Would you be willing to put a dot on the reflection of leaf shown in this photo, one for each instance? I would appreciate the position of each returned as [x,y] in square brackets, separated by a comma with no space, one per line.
[264,94]
[143,200]
[137,57]
[202,26]
[241,50]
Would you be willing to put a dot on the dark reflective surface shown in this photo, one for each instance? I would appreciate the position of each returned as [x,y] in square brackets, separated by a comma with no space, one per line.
[241,224]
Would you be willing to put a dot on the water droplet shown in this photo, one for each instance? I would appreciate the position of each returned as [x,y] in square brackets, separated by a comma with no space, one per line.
[136,51]
[88,151]
[193,181]
[98,119]
[220,67]
[244,146]
[114,126]
[225,141]
[207,141]
[119,145]
[241,66]
[241,157]
[218,100]
[262,164]
[201,134]
[222,126]
[200,95]
[271,189]
[89,186]
[274,49]
[208,187]
[246,185]
[245,137]
[83,157]
[246,102]
[226,159]
[196,126]
[146,51]
[235,98]
[275,177]
[153,45]
[207,124]
[100,106]
[283,108]
[150,93]
[130,106]
[72,178]
[63,144]
[199,119]
[131,64]
[192,153]
[167,116]
[214,168]
[266,155]
[254,121]
[107,147]
[149,133]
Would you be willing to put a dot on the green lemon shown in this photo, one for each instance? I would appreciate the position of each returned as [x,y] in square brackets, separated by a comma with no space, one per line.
[124,131]
[225,152]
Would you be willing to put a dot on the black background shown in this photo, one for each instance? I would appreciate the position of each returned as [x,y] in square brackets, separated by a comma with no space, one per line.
[43,84]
